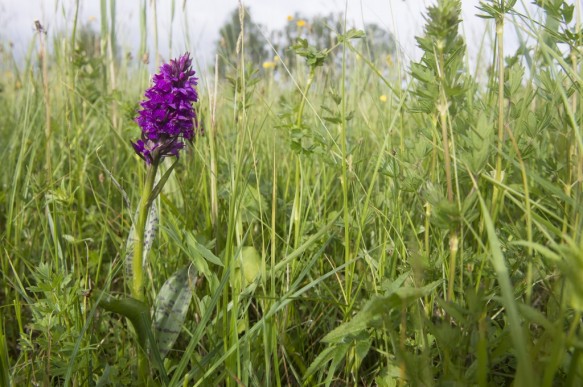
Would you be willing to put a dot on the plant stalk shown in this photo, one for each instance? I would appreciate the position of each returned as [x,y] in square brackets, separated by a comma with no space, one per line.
[297,206]
[499,175]
[137,261]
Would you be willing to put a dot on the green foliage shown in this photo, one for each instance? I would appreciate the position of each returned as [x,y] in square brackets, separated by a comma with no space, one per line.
[171,307]
[442,63]
[54,327]
[315,212]
[313,56]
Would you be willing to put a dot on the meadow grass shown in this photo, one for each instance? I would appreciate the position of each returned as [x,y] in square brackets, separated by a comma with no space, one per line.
[344,221]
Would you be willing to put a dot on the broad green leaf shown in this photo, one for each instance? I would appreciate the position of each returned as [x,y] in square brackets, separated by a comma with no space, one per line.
[203,251]
[250,264]
[136,311]
[325,356]
[536,316]
[378,306]
[171,307]
[252,204]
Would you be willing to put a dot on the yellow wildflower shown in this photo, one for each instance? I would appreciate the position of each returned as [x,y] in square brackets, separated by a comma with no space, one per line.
[268,65]
[383,98]
[276,59]
[290,18]
[301,23]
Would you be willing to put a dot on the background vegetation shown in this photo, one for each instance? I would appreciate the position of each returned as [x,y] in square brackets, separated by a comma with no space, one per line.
[346,218]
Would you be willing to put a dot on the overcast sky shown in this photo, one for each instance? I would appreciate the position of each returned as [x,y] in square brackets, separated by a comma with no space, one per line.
[202,20]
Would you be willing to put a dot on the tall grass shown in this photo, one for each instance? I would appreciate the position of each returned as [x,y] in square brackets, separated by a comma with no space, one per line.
[349,221]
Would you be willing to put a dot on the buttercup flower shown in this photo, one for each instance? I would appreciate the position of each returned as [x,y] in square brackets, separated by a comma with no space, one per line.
[268,65]
[167,116]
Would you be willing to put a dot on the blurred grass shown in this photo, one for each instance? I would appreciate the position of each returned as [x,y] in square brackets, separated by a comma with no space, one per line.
[375,223]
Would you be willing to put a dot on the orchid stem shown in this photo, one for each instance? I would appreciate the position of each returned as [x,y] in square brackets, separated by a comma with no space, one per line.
[137,262]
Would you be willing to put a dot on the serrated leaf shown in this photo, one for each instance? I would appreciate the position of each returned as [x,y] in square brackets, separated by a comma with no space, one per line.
[332,120]
[567,12]
[351,34]
[378,306]
[171,307]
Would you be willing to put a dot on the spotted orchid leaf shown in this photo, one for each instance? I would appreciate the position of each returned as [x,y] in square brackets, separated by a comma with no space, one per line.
[171,307]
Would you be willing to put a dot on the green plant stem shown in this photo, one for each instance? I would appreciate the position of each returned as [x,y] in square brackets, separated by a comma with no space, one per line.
[349,274]
[47,100]
[442,109]
[137,261]
[137,265]
[498,176]
[213,154]
[297,212]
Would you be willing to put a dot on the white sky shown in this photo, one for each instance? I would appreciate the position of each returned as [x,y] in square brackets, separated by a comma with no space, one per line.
[404,18]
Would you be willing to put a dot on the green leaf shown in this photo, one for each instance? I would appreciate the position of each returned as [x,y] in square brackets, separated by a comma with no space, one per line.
[203,251]
[352,34]
[332,120]
[105,379]
[514,321]
[158,188]
[377,307]
[171,307]
[253,204]
[250,264]
[325,356]
[134,310]
[4,360]
[537,317]
[567,12]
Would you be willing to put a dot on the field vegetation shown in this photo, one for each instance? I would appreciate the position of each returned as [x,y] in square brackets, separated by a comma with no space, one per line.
[344,216]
